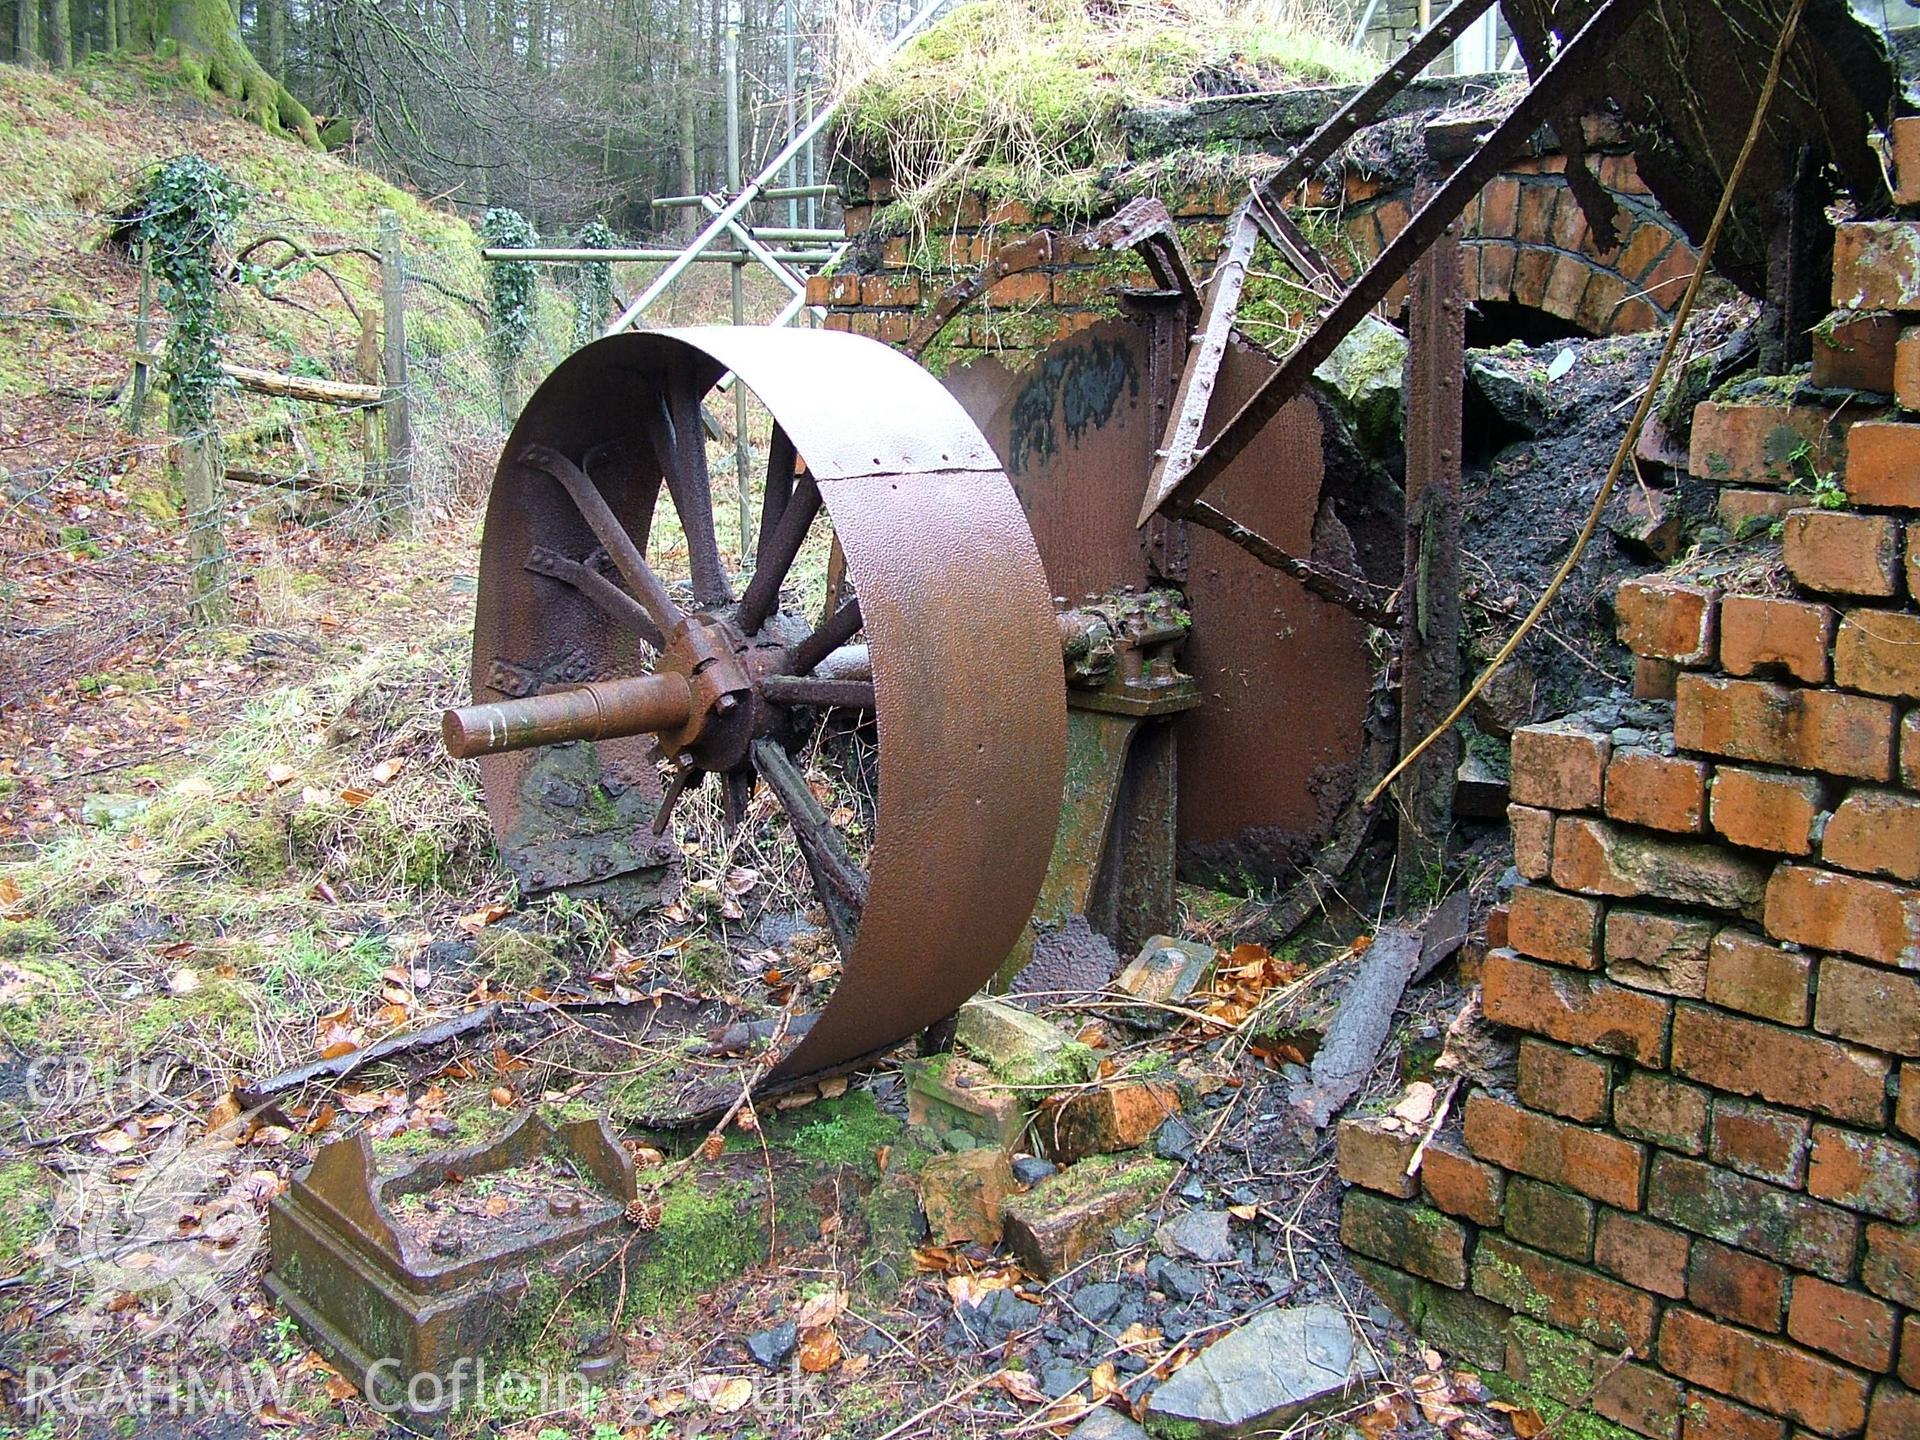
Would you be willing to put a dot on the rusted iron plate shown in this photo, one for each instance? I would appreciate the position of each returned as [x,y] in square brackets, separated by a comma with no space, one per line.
[962,642]
[1270,758]
[1076,430]
[1267,761]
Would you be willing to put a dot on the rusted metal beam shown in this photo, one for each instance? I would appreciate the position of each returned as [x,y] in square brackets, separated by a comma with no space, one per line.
[1575,65]
[1348,592]
[1430,584]
[1195,391]
[1363,108]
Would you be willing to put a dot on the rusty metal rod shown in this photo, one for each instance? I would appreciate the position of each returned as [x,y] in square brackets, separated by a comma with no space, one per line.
[1347,121]
[612,535]
[600,710]
[1575,66]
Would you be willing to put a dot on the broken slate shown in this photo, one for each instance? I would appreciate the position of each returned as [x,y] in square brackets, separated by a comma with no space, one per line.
[1197,1235]
[1107,1423]
[772,1348]
[1263,1376]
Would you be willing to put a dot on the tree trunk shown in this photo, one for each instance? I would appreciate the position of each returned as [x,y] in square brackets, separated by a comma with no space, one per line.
[272,22]
[110,26]
[212,52]
[60,34]
[26,33]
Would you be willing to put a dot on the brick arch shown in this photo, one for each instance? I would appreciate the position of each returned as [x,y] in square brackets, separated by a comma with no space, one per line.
[1527,243]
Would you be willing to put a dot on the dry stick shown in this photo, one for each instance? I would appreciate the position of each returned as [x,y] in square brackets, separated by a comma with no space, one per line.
[1634,426]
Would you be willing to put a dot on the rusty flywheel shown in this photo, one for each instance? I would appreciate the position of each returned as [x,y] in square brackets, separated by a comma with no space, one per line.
[590,671]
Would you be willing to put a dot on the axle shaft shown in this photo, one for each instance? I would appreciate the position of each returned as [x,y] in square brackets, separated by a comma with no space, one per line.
[601,710]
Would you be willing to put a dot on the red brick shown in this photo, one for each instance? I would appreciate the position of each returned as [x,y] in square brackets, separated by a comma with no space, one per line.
[1760,635]
[1566,286]
[1787,1067]
[1778,1224]
[1604,1311]
[1666,620]
[1645,245]
[1757,443]
[1878,651]
[1661,792]
[1663,953]
[843,289]
[1549,1218]
[820,289]
[1653,679]
[1906,1110]
[1910,750]
[1875,832]
[1910,1351]
[1532,840]
[1852,351]
[1876,266]
[1767,810]
[1408,1237]
[1903,139]
[1665,1112]
[1559,766]
[892,291]
[1552,925]
[1745,973]
[1760,1141]
[1534,222]
[1869,1173]
[1453,1181]
[1867,1005]
[1842,552]
[1868,918]
[1575,1009]
[1736,1286]
[1542,1360]
[1769,1373]
[1883,464]
[837,322]
[1711,1418]
[1373,1155]
[1853,1326]
[1892,1264]
[1745,513]
[1597,858]
[895,327]
[1645,1255]
[1782,725]
[1563,1082]
[1596,1164]
[1667,281]
[1906,369]
[1913,559]
[1896,1413]
[1030,287]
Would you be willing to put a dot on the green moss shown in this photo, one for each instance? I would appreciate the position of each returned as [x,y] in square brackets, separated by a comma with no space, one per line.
[26,1195]
[846,1132]
[218,1017]
[710,1232]
[27,937]
[517,960]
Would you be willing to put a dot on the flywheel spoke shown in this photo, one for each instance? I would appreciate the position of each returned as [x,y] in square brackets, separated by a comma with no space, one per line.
[815,690]
[646,586]
[608,598]
[840,884]
[680,445]
[777,554]
[842,626]
[781,460]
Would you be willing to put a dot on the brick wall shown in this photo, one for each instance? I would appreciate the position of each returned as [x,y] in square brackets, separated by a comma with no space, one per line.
[1707,1155]
[1526,243]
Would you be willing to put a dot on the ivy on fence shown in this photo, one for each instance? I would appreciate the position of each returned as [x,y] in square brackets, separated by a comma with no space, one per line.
[510,294]
[592,285]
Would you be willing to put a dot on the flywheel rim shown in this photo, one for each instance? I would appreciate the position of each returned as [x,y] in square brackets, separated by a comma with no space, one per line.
[967,682]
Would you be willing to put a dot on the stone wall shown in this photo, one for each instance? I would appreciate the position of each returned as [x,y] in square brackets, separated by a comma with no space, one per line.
[1526,240]
[1705,1157]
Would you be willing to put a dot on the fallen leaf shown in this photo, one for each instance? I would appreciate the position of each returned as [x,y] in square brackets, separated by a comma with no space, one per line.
[1244,1212]
[722,1394]
[114,1142]
[1436,1399]
[333,1050]
[274,1417]
[669,1402]
[1105,1381]
[819,1350]
[501,1096]
[183,981]
[821,1310]
[194,787]
[280,774]
[384,772]
[480,919]
[353,799]
[338,1387]
[496,1206]
[1020,1385]
[1385,1415]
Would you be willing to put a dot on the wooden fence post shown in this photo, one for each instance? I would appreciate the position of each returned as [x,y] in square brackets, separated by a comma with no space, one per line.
[142,345]
[396,498]
[209,601]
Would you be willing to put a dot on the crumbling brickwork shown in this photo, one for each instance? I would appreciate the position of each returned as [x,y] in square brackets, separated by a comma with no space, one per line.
[1708,1157]
[1526,242]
